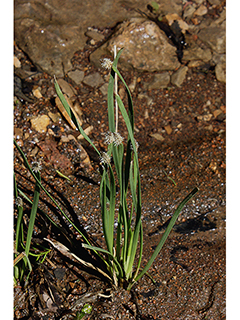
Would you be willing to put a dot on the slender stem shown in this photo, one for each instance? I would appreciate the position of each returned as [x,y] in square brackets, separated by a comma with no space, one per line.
[116,90]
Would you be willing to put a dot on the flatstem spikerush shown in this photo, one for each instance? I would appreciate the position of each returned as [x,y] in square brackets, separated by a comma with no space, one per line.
[121,251]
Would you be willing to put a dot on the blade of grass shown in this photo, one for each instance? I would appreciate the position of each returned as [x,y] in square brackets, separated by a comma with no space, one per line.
[71,114]
[33,214]
[166,233]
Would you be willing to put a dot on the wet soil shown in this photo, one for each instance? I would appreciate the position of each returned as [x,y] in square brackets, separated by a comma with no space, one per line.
[190,270]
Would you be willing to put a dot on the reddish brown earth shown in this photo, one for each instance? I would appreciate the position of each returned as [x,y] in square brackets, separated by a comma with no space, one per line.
[190,270]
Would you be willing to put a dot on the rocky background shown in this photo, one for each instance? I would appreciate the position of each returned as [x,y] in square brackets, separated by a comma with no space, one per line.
[180,115]
[51,32]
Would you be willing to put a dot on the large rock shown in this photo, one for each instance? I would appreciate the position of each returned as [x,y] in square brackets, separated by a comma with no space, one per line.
[146,47]
[215,38]
[50,32]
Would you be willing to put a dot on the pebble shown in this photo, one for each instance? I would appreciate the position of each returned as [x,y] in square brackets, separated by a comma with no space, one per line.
[201,11]
[93,80]
[157,136]
[56,117]
[205,117]
[104,89]
[76,75]
[66,88]
[40,123]
[16,62]
[160,80]
[179,76]
[168,129]
[95,35]
[37,93]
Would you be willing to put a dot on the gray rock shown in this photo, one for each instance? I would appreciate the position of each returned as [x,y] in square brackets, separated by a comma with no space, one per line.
[76,75]
[104,89]
[160,80]
[50,32]
[93,34]
[194,52]
[214,2]
[66,88]
[220,71]
[179,76]
[215,38]
[93,80]
[146,47]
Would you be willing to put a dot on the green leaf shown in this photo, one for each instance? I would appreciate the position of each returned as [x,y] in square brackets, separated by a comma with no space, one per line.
[166,233]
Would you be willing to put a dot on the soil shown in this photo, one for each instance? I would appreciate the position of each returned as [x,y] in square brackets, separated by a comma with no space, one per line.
[189,272]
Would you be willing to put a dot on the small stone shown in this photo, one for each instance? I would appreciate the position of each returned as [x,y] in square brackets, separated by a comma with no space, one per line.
[66,88]
[16,62]
[18,133]
[37,93]
[104,89]
[76,75]
[214,2]
[168,129]
[56,117]
[201,11]
[216,113]
[160,80]
[179,76]
[206,117]
[40,123]
[93,80]
[157,136]
[220,72]
[95,35]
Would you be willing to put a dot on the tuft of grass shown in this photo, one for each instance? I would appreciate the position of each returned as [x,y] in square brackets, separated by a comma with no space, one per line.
[121,169]
[121,220]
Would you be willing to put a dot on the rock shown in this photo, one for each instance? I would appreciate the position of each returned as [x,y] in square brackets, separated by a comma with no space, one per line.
[37,93]
[76,75]
[104,89]
[205,117]
[175,17]
[215,37]
[215,2]
[93,80]
[51,32]
[66,88]
[16,62]
[201,11]
[194,52]
[168,129]
[189,10]
[160,80]
[56,117]
[40,123]
[146,47]
[220,72]
[95,35]
[157,136]
[179,76]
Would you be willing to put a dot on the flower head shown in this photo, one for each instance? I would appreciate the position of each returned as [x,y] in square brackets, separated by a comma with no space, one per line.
[106,63]
[113,137]
[136,145]
[19,202]
[118,139]
[36,166]
[109,137]
[105,158]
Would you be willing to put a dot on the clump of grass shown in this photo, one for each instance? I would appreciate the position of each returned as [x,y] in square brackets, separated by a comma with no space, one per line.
[22,245]
[120,168]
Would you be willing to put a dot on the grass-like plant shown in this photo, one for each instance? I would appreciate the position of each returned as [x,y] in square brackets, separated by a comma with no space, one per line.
[120,169]
[22,264]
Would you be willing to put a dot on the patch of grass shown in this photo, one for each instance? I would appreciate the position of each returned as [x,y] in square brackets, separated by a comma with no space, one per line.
[120,169]
[121,220]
